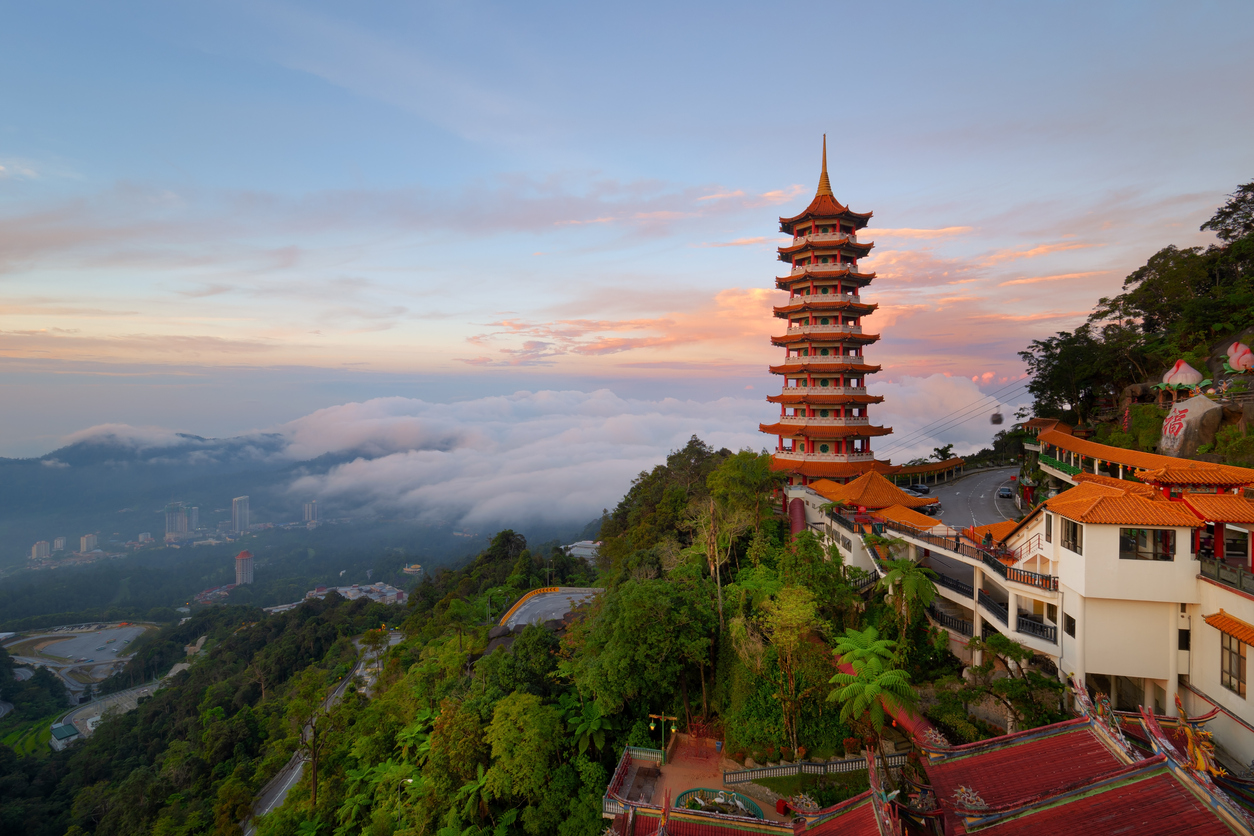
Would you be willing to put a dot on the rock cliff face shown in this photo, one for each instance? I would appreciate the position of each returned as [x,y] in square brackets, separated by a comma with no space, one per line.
[1189,425]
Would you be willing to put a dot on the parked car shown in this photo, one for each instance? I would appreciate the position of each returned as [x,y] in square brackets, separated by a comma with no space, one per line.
[909,492]
[932,510]
[924,489]
[1005,493]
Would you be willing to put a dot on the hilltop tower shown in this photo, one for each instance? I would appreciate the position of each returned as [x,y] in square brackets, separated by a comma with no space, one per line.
[824,431]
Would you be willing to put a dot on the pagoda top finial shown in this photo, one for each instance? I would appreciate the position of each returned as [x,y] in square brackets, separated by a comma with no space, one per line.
[825,185]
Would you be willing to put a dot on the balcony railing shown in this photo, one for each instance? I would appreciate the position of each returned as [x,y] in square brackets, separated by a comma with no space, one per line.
[846,359]
[1033,628]
[798,298]
[825,329]
[989,558]
[831,266]
[825,236]
[999,610]
[824,457]
[1233,576]
[803,421]
[824,390]
[1070,470]
[953,622]
[961,587]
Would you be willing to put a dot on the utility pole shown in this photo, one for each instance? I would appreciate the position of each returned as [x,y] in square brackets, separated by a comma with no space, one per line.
[663,718]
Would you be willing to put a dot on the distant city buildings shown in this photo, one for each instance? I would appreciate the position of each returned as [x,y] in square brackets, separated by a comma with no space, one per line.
[412,569]
[58,544]
[193,518]
[381,592]
[243,568]
[40,550]
[145,537]
[311,511]
[175,522]
[87,543]
[239,514]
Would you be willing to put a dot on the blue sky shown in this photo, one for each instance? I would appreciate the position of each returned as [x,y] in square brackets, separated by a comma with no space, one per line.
[219,217]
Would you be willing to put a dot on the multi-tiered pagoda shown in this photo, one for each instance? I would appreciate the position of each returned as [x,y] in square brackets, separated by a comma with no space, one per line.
[823,430]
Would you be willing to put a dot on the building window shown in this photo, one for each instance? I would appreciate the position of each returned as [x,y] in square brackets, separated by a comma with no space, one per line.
[823,382]
[823,448]
[1049,529]
[1147,544]
[824,321]
[1183,639]
[1232,663]
[1072,536]
[1069,625]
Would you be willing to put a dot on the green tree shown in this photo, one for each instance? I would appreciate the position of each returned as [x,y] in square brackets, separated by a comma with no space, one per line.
[787,621]
[943,454]
[525,735]
[910,590]
[745,481]
[309,712]
[1235,219]
[872,689]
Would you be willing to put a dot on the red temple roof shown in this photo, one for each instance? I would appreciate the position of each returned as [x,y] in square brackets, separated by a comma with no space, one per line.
[832,271]
[824,304]
[824,244]
[825,336]
[870,490]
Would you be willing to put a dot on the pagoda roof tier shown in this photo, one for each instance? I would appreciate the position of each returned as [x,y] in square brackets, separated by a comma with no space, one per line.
[812,272]
[818,366]
[825,204]
[825,336]
[824,430]
[831,243]
[833,470]
[825,400]
[870,490]
[826,303]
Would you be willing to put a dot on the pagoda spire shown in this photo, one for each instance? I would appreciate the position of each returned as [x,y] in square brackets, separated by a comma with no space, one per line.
[825,185]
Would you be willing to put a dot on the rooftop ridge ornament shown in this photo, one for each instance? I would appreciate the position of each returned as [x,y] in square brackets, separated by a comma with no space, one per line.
[825,185]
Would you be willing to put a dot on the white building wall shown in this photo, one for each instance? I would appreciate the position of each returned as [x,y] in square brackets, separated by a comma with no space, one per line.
[1234,727]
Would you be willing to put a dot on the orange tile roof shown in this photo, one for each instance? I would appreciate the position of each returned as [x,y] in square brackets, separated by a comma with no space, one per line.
[822,336]
[1198,473]
[901,514]
[1220,507]
[824,430]
[999,531]
[823,303]
[810,272]
[1092,503]
[932,467]
[1145,461]
[1137,488]
[821,365]
[832,470]
[870,490]
[823,244]
[1231,625]
[819,398]
[1047,424]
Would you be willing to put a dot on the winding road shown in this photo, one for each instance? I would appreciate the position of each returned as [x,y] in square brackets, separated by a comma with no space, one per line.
[972,500]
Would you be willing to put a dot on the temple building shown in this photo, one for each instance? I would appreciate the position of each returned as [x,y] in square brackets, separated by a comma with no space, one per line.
[824,431]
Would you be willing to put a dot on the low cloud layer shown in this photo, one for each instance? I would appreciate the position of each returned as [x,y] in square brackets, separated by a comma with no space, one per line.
[549,456]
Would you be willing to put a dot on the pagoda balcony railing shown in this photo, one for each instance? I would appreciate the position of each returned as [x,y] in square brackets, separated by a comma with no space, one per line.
[819,267]
[825,329]
[849,421]
[824,457]
[798,298]
[824,390]
[825,236]
[851,359]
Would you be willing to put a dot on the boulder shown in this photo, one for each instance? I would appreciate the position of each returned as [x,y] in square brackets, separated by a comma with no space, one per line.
[1137,393]
[1189,425]
[498,631]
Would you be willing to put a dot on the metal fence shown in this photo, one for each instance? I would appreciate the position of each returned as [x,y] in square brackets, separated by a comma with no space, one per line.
[961,587]
[809,768]
[999,610]
[1035,628]
[953,622]
[988,557]
[1069,469]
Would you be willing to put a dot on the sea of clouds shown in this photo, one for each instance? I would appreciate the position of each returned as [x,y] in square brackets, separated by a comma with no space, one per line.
[548,456]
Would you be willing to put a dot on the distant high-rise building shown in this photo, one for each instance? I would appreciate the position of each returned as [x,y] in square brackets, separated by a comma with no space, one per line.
[58,545]
[175,521]
[87,542]
[40,550]
[243,567]
[145,536]
[239,513]
[311,511]
[193,519]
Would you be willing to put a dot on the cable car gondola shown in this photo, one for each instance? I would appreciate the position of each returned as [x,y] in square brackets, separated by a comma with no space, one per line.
[996,418]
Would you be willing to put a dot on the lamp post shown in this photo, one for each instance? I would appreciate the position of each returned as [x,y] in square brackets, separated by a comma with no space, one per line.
[653,720]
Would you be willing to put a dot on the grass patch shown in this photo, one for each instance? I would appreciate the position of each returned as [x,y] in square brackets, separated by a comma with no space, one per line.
[826,790]
[28,736]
